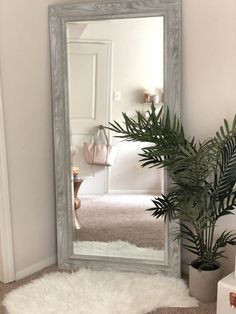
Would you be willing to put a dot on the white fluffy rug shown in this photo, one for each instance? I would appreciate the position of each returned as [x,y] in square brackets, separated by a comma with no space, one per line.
[98,292]
[117,249]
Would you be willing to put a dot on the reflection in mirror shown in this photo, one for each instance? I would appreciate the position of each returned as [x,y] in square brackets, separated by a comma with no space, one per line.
[114,66]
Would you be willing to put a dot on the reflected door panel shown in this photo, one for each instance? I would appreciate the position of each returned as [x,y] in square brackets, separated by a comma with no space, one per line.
[82,81]
[88,72]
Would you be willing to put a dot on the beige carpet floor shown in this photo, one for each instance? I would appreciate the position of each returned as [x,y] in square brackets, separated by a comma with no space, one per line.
[5,288]
[109,218]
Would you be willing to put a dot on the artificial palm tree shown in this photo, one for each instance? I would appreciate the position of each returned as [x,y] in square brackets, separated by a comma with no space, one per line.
[203,176]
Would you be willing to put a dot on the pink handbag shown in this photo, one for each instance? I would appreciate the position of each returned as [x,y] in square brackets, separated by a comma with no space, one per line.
[100,154]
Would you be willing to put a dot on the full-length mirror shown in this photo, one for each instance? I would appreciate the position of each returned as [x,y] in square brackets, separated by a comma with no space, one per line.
[113,66]
[109,58]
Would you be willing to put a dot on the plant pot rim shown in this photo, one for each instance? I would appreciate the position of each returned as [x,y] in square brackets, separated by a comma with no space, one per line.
[197,263]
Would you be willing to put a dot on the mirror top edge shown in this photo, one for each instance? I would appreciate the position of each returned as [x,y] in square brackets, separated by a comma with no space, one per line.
[110,7]
[143,3]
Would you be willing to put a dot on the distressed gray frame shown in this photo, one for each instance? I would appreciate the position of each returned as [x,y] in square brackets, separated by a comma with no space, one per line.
[59,15]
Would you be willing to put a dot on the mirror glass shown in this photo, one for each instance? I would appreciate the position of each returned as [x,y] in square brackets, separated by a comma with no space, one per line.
[114,66]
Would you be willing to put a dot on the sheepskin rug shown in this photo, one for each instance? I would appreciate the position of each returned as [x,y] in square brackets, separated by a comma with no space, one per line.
[98,292]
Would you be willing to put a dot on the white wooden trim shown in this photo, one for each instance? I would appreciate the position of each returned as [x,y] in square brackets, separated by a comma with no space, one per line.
[35,267]
[6,241]
[138,192]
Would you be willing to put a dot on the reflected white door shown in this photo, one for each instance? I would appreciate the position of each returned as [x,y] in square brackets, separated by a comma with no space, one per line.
[89,67]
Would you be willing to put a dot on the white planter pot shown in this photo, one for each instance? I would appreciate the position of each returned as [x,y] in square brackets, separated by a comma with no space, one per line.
[203,283]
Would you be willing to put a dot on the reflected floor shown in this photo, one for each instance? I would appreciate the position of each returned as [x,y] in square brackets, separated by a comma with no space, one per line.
[108,218]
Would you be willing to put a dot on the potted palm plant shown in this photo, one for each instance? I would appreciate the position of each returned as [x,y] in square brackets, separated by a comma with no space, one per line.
[203,177]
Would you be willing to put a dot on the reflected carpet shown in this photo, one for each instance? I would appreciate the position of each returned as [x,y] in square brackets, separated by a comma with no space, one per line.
[96,292]
[107,218]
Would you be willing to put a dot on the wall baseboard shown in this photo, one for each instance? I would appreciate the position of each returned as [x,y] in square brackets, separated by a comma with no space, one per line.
[36,267]
[151,192]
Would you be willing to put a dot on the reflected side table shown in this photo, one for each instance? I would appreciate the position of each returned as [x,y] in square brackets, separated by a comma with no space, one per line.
[77,202]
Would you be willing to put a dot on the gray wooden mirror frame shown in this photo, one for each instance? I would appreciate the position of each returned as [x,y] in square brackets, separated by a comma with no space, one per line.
[59,15]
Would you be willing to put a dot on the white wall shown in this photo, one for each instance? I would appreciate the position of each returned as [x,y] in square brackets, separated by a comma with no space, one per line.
[25,74]
[1,262]
[209,75]
[209,94]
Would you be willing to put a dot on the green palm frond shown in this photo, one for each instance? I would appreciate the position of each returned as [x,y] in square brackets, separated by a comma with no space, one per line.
[226,167]
[158,129]
[221,242]
[152,156]
[165,206]
[225,207]
[225,132]
[194,245]
[140,129]
[203,176]
[191,167]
